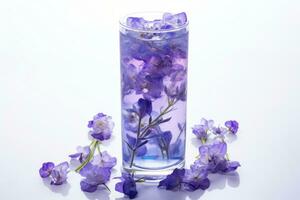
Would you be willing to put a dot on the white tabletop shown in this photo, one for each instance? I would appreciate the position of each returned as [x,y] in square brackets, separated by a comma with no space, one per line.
[59,65]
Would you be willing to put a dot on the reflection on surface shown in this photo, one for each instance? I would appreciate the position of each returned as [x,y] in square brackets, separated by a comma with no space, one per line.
[61,189]
[100,194]
[219,181]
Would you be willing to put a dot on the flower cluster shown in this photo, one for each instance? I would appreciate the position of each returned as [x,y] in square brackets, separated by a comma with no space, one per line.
[213,158]
[94,168]
[57,174]
[206,127]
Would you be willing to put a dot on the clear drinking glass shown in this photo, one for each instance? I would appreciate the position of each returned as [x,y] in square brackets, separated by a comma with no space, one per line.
[153,94]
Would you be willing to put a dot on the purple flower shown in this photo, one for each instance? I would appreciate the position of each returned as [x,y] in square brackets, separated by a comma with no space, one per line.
[219,130]
[196,178]
[59,173]
[131,68]
[173,181]
[82,153]
[104,160]
[201,129]
[187,179]
[149,85]
[232,125]
[46,169]
[127,186]
[176,92]
[144,107]
[159,64]
[94,176]
[213,158]
[102,126]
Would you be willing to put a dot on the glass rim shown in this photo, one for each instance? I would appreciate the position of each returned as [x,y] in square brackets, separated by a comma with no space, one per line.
[122,23]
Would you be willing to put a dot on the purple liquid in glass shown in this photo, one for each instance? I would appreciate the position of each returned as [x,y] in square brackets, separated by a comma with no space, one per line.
[154,55]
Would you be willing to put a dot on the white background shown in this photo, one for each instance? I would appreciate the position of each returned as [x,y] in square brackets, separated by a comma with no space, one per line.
[59,65]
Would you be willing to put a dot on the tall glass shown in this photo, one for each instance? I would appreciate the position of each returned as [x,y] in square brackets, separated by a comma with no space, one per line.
[153,96]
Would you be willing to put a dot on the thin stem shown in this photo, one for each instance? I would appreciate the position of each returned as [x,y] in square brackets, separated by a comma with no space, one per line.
[132,158]
[151,124]
[181,131]
[139,128]
[90,156]
[154,122]
[106,187]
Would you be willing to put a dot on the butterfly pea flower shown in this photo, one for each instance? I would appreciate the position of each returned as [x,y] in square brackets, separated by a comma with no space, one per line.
[127,185]
[104,160]
[102,127]
[93,177]
[232,125]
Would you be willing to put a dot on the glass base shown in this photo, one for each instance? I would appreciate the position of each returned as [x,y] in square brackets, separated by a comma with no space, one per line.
[153,175]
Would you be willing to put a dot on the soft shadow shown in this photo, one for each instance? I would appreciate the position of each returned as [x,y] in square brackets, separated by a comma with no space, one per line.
[195,195]
[60,189]
[233,180]
[151,192]
[100,194]
[219,181]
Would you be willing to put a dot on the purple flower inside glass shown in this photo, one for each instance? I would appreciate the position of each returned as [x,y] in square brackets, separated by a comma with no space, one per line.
[154,57]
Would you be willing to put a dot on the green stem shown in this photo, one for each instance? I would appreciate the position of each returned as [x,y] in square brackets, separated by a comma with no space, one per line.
[132,158]
[94,144]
